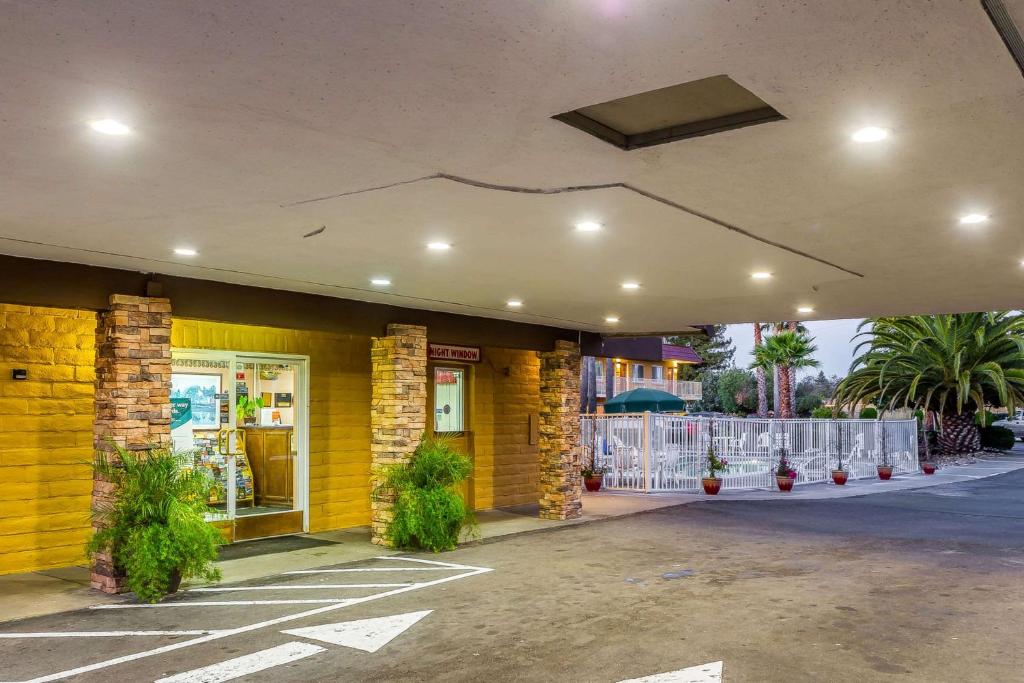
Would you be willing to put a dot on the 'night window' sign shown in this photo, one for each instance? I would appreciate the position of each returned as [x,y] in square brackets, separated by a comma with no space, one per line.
[466,354]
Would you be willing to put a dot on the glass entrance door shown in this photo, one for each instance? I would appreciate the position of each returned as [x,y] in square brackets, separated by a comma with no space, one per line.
[247,423]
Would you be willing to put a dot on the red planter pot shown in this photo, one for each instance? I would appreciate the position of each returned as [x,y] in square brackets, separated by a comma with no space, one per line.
[593,482]
[712,485]
[785,483]
[928,467]
[839,477]
[884,472]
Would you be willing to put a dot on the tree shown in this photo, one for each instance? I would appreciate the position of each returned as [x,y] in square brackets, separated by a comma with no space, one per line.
[951,364]
[735,391]
[785,350]
[716,352]
[762,386]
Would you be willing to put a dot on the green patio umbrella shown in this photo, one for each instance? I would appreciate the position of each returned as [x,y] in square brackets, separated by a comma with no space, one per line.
[642,400]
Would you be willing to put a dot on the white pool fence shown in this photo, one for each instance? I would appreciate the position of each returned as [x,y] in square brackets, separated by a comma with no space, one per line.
[655,452]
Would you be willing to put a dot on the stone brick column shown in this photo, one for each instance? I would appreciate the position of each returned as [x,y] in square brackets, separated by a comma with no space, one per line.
[133,387]
[398,412]
[561,484]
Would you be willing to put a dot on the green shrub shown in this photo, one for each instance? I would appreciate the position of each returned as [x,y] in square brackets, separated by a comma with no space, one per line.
[997,437]
[428,512]
[156,524]
[825,413]
[869,413]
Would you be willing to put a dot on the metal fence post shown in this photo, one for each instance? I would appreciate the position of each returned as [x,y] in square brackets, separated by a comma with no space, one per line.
[648,425]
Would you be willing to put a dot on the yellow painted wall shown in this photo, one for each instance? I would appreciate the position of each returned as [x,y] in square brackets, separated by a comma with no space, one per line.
[505,464]
[45,436]
[339,416]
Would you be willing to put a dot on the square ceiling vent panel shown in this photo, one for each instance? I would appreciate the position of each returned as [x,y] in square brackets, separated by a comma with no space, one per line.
[710,105]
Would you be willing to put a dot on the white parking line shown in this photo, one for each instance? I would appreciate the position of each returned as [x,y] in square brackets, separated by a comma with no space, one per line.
[217,635]
[104,634]
[229,603]
[299,587]
[247,664]
[369,569]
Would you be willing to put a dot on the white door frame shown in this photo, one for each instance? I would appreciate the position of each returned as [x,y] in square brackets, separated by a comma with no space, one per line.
[301,404]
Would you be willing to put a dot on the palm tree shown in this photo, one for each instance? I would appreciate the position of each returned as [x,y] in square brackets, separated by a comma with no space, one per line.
[950,364]
[785,350]
[762,388]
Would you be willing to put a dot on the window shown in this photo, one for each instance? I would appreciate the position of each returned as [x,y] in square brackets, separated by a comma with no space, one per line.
[202,391]
[449,393]
[638,371]
[657,372]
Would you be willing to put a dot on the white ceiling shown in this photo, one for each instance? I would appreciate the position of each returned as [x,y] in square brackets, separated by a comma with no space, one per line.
[244,111]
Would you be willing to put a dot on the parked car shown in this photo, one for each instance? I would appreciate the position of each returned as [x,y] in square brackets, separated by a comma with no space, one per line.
[1014,424]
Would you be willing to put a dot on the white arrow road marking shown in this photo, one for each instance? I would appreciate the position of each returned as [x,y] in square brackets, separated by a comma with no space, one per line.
[706,673]
[299,587]
[368,635]
[217,635]
[104,634]
[247,664]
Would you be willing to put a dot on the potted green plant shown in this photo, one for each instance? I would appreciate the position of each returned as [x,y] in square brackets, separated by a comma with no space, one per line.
[714,464]
[155,527]
[247,408]
[785,475]
[885,467]
[839,474]
[427,510]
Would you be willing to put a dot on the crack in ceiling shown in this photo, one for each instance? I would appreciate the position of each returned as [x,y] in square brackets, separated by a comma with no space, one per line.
[581,188]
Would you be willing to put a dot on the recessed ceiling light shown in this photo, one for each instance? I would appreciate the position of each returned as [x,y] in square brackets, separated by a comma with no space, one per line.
[760,275]
[631,285]
[973,218]
[513,303]
[380,281]
[804,309]
[612,319]
[438,246]
[588,226]
[870,134]
[110,127]
[185,251]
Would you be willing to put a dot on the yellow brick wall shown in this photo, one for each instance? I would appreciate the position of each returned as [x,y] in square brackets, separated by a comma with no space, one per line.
[45,436]
[505,464]
[339,416]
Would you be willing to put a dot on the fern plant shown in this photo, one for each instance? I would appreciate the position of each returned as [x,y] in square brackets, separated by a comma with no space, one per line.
[428,513]
[155,529]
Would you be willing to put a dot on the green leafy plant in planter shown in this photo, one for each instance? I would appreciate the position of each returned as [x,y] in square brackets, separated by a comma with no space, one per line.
[247,408]
[155,528]
[428,512]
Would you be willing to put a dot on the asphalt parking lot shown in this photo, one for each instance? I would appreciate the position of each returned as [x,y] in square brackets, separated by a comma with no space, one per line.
[918,585]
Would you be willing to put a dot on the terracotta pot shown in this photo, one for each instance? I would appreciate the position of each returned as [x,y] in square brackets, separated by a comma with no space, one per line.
[928,467]
[785,483]
[884,472]
[839,477]
[712,485]
[593,482]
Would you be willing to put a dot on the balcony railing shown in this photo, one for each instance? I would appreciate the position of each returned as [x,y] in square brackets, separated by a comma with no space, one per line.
[688,391]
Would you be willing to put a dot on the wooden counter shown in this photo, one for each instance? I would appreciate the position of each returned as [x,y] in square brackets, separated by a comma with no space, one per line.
[273,464]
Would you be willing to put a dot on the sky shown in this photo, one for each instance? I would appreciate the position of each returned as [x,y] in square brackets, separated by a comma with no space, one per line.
[832,337]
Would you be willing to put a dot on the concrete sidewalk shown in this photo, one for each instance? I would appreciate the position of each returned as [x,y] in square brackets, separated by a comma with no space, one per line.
[59,590]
